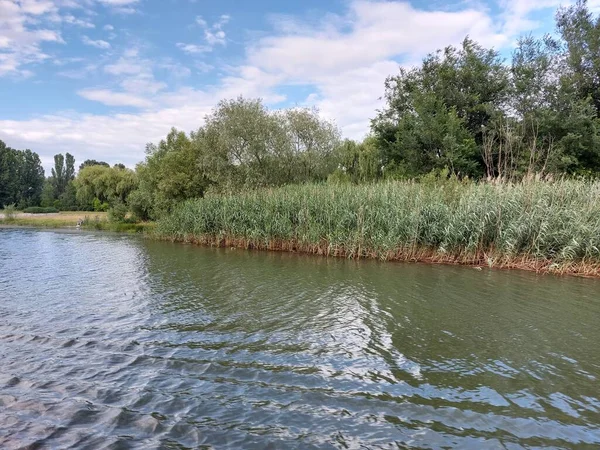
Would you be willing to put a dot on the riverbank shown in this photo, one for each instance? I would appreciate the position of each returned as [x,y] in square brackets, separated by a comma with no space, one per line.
[547,227]
[70,219]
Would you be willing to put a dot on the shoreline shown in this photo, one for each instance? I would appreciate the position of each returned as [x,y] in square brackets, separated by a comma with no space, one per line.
[580,269]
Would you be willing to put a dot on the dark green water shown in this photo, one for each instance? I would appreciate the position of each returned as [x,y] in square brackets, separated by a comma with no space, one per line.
[115,342]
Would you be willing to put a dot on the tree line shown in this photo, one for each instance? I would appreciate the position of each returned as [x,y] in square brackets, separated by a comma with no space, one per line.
[464,111]
[469,110]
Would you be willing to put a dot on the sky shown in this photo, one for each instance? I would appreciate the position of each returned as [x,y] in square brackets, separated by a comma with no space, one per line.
[101,78]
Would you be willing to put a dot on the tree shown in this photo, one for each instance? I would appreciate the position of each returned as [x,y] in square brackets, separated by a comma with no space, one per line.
[580,32]
[69,168]
[93,162]
[313,141]
[31,179]
[243,144]
[171,173]
[435,114]
[58,175]
[9,181]
[358,162]
[21,177]
[97,185]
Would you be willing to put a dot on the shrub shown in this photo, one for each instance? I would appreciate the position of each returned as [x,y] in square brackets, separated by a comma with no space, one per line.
[40,210]
[10,212]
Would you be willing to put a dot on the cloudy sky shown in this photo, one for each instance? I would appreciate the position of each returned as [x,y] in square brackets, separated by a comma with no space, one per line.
[101,78]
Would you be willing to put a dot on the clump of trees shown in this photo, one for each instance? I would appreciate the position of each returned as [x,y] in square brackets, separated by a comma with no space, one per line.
[467,110]
[21,177]
[464,112]
[242,145]
[105,188]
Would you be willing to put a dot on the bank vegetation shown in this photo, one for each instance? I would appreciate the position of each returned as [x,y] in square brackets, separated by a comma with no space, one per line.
[472,158]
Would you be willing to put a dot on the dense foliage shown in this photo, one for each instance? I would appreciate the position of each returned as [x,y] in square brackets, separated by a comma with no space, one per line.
[242,145]
[464,112]
[40,210]
[21,177]
[492,224]
[466,109]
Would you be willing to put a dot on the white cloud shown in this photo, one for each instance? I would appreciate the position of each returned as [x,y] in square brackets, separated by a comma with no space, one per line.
[193,49]
[118,2]
[99,43]
[112,98]
[72,20]
[108,27]
[20,44]
[213,35]
[120,6]
[341,61]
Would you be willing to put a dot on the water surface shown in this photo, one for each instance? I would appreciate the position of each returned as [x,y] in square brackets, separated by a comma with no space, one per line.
[111,341]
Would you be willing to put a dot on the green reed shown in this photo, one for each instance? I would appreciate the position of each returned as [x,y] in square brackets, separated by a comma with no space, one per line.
[489,223]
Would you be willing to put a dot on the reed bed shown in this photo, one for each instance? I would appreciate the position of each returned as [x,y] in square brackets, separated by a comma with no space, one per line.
[541,226]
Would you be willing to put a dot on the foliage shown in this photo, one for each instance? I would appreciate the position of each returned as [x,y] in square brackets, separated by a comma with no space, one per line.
[170,173]
[10,212]
[465,109]
[21,177]
[93,162]
[357,162]
[102,188]
[39,210]
[242,145]
[443,218]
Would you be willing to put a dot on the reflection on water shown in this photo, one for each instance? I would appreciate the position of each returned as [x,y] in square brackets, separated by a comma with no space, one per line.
[115,342]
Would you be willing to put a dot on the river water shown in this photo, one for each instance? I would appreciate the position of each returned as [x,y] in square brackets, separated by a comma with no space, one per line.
[110,341]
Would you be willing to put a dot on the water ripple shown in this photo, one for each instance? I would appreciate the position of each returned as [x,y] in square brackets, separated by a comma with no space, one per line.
[115,342]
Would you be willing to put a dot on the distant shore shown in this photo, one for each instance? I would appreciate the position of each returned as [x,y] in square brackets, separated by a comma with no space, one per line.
[90,220]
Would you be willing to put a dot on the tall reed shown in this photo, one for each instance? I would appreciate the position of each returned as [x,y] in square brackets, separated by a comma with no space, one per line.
[544,226]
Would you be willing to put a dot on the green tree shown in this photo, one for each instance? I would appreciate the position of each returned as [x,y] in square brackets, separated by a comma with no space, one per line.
[93,162]
[98,185]
[358,162]
[21,177]
[31,179]
[580,32]
[58,175]
[9,178]
[435,114]
[171,173]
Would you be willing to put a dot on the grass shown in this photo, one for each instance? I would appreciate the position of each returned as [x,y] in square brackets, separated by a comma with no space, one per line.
[87,219]
[541,226]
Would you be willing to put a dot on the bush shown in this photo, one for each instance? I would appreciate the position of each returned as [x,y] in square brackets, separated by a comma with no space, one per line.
[40,210]
[10,212]
[117,212]
[100,206]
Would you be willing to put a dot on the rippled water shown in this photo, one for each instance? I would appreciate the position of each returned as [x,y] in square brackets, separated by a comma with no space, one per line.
[116,342]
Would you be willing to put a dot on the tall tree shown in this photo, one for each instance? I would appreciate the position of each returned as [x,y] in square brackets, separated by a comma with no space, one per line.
[580,32]
[69,168]
[31,179]
[21,177]
[58,175]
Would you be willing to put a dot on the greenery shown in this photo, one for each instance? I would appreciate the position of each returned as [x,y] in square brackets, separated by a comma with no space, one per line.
[10,212]
[469,110]
[21,177]
[459,164]
[40,210]
[547,224]
[242,145]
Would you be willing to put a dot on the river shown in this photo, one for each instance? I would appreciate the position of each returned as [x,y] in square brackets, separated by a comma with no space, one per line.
[113,341]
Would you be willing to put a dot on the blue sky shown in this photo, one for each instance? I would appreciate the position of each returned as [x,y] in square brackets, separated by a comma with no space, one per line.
[101,78]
